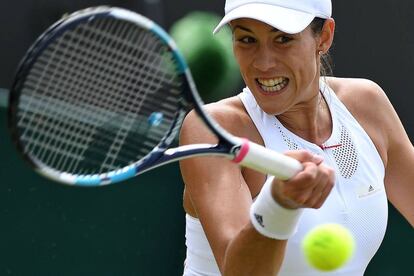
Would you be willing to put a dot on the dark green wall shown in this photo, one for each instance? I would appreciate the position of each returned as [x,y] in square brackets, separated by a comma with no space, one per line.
[132,228]
[395,256]
[137,227]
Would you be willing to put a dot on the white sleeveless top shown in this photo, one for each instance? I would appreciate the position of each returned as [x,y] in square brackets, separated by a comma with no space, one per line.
[357,201]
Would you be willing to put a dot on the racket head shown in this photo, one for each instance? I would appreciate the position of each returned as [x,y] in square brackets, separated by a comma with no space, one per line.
[99,97]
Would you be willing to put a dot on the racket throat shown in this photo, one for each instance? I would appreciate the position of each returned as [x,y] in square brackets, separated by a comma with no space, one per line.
[240,151]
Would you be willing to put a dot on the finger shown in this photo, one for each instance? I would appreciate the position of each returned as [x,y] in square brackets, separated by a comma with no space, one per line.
[317,159]
[305,189]
[310,185]
[305,156]
[323,196]
[322,191]
[306,178]
[299,188]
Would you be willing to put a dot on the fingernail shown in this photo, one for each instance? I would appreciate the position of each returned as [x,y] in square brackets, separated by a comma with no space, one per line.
[317,158]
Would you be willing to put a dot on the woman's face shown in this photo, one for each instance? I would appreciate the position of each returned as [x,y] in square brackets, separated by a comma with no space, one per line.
[281,70]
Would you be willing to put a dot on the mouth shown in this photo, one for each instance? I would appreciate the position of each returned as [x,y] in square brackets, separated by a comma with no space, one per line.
[272,85]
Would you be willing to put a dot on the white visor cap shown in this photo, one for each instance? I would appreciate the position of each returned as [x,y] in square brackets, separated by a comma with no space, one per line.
[289,16]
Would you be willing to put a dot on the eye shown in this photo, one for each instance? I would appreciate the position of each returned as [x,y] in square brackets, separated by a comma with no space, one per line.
[283,39]
[246,39]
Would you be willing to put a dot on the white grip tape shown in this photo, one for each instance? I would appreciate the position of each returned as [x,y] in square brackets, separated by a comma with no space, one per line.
[270,219]
[267,161]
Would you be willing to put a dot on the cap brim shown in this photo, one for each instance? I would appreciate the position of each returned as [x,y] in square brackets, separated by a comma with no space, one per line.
[284,19]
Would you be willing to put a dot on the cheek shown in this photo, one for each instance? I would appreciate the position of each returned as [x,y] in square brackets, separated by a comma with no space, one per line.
[243,62]
[306,64]
[239,55]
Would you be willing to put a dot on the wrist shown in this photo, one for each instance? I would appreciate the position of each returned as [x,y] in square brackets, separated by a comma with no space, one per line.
[270,218]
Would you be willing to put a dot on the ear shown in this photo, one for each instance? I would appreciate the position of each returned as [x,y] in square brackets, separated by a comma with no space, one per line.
[327,35]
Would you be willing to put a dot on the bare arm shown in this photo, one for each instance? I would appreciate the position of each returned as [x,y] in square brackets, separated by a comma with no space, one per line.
[222,199]
[399,177]
[381,122]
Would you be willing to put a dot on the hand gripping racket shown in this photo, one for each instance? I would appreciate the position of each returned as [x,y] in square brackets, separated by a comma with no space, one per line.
[100,97]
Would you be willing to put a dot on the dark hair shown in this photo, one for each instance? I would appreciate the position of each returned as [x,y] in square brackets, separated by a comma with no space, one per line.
[326,60]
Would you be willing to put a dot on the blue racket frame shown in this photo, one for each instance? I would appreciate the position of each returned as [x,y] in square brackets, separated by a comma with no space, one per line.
[227,146]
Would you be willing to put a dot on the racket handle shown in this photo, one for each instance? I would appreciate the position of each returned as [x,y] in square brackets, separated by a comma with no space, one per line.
[267,161]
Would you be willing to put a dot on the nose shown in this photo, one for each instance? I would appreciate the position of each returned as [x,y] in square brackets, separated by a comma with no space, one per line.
[265,59]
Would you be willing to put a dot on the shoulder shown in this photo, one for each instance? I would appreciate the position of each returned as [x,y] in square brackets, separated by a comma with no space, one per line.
[364,99]
[351,90]
[229,113]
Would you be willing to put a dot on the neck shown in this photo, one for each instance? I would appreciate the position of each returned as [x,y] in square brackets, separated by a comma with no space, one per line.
[310,121]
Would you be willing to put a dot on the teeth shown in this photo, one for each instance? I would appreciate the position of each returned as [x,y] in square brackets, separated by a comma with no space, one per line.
[273,85]
[272,89]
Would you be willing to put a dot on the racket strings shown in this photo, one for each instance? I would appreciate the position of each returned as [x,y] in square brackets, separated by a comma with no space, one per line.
[90,82]
[128,120]
[39,124]
[136,100]
[73,68]
[80,114]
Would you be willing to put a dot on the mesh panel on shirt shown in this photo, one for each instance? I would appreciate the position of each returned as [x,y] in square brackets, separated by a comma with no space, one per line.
[346,156]
[291,144]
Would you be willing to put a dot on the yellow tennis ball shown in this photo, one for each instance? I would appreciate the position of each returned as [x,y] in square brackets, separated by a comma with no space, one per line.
[328,246]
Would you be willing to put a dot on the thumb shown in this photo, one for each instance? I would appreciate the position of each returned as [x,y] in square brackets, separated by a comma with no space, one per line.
[305,156]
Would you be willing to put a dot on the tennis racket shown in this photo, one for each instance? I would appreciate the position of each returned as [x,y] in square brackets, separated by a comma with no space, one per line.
[100,97]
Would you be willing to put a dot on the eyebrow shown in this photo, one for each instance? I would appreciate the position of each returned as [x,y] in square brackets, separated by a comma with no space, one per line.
[273,30]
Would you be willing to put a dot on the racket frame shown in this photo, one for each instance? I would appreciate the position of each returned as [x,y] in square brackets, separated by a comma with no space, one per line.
[162,154]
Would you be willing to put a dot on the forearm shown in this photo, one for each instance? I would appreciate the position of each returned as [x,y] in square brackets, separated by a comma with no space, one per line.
[259,248]
[251,253]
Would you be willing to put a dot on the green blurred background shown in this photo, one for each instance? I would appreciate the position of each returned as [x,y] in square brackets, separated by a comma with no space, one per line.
[137,227]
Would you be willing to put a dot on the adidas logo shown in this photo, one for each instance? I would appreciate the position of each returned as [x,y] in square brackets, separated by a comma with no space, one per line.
[259,219]
[367,190]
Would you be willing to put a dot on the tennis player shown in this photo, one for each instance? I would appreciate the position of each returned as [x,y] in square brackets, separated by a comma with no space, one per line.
[356,156]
